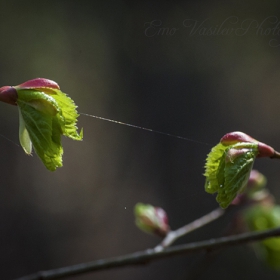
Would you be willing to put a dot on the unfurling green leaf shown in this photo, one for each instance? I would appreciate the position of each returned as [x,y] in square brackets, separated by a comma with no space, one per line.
[236,172]
[45,113]
[229,164]
[228,170]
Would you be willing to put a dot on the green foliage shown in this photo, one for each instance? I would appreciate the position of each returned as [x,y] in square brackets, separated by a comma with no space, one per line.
[263,217]
[214,163]
[45,115]
[227,170]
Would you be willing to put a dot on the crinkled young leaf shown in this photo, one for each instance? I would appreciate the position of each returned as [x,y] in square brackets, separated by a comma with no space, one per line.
[43,119]
[69,114]
[213,162]
[44,133]
[236,175]
[45,113]
[227,170]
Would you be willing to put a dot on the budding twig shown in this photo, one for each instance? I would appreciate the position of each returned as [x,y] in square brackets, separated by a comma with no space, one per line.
[173,235]
[143,257]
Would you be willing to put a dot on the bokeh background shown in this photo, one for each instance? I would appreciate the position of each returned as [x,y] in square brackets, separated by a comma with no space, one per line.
[197,69]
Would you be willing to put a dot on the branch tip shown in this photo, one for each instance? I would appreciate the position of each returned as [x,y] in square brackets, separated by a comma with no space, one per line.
[276,155]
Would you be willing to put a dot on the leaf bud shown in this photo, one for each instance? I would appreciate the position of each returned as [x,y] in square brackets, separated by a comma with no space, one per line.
[151,219]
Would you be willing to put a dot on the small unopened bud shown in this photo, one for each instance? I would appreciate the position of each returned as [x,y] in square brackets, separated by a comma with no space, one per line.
[240,137]
[151,219]
[256,180]
[236,137]
[8,95]
[38,83]
[239,199]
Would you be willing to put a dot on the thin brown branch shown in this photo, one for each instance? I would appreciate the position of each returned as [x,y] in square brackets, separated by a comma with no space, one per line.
[143,257]
[173,235]
[276,155]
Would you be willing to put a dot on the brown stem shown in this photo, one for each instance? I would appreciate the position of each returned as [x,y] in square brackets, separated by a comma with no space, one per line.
[173,235]
[276,155]
[151,255]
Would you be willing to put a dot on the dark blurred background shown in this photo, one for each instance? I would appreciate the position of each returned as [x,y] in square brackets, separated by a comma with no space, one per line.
[197,69]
